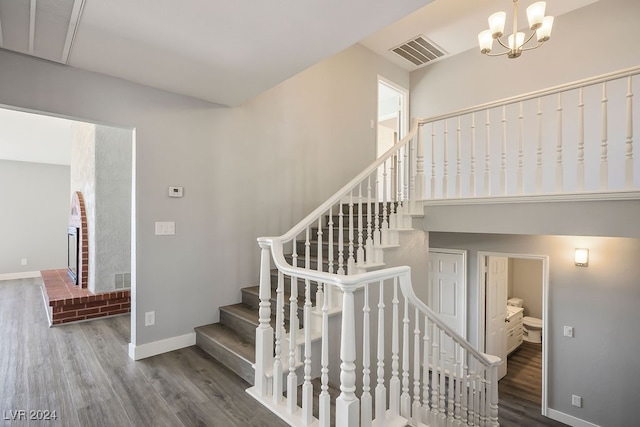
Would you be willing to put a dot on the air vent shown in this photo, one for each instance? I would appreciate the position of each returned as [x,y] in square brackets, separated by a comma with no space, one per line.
[419,51]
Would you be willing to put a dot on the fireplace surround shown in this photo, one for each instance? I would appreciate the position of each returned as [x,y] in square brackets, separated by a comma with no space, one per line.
[78,221]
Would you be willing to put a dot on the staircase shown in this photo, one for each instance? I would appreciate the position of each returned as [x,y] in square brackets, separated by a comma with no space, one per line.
[232,340]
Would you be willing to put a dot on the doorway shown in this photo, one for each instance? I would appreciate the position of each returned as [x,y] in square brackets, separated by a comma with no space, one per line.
[502,276]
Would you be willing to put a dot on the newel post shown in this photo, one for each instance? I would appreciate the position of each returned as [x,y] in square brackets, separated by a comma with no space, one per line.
[264,331]
[347,404]
[493,396]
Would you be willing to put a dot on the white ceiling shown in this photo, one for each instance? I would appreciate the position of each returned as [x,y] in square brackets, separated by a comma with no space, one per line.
[221,51]
[227,52]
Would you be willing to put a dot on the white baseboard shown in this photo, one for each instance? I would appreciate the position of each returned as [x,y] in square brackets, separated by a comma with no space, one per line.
[568,419]
[23,275]
[162,346]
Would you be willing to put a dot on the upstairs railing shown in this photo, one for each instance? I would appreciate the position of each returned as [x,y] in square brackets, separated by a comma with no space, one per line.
[570,140]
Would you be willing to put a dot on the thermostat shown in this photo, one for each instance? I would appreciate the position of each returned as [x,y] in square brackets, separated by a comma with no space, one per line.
[175,191]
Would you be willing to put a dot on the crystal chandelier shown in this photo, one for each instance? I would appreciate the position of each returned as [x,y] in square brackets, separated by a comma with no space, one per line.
[539,25]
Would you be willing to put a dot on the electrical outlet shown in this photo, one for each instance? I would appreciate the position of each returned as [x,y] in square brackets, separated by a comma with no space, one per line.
[23,261]
[149,318]
[576,401]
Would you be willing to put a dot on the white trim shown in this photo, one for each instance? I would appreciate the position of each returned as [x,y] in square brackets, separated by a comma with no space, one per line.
[569,419]
[24,275]
[163,346]
[593,196]
[404,122]
[545,318]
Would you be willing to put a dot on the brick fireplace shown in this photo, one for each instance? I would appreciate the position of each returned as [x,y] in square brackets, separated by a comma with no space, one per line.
[78,220]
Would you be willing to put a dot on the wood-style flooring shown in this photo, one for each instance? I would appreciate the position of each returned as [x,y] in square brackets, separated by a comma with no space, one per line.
[520,391]
[83,373]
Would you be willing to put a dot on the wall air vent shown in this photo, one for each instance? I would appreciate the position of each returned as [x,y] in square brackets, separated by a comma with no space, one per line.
[419,51]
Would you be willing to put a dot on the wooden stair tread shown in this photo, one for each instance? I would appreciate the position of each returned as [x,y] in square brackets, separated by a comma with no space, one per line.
[230,339]
[243,311]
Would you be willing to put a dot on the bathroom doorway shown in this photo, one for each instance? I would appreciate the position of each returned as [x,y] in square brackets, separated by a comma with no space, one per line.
[503,276]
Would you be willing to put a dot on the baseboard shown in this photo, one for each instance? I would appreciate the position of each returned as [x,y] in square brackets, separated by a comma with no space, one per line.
[161,346]
[568,419]
[23,275]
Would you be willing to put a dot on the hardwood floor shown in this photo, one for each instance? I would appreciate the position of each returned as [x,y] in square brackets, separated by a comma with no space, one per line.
[82,371]
[520,390]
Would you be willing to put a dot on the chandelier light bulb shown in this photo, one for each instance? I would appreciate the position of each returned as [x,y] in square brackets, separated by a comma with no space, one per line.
[535,14]
[485,39]
[544,32]
[496,24]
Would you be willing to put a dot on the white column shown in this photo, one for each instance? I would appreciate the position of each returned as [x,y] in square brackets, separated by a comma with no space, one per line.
[539,150]
[628,152]
[324,404]
[503,153]
[458,159]
[472,168]
[487,158]
[520,182]
[445,162]
[381,391]
[366,403]
[604,161]
[559,168]
[419,194]
[580,168]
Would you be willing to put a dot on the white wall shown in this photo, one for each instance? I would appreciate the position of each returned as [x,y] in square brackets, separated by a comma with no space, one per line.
[34,214]
[246,172]
[596,39]
[525,281]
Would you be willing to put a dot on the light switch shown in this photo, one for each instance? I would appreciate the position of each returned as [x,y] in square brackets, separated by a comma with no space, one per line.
[165,228]
[568,331]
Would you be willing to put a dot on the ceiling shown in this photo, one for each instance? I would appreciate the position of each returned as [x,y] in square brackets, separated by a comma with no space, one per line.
[227,52]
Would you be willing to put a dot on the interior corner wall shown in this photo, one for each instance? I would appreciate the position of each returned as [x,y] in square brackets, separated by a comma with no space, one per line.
[525,282]
[285,152]
[593,40]
[113,206]
[83,179]
[598,301]
[33,216]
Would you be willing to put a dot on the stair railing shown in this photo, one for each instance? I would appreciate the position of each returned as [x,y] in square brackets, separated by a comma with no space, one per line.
[436,377]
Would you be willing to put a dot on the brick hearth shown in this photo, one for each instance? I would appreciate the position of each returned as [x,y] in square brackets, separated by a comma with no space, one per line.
[69,303]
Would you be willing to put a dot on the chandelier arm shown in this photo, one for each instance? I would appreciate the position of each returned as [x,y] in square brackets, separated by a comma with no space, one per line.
[502,43]
[533,47]
[527,41]
[497,54]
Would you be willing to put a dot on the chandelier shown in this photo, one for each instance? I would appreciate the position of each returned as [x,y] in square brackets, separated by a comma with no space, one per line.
[539,25]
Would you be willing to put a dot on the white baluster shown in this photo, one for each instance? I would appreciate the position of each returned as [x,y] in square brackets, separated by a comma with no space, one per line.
[292,378]
[433,160]
[330,242]
[351,260]
[370,240]
[277,362]
[307,387]
[520,150]
[411,172]
[365,399]
[445,162]
[319,290]
[456,373]
[539,150]
[628,162]
[451,383]
[503,154]
[360,251]
[464,384]
[559,168]
[405,399]
[384,230]
[477,383]
[459,159]
[483,401]
[324,401]
[435,384]
[381,391]
[442,404]
[416,414]
[376,221]
[604,161]
[340,241]
[472,167]
[487,158]
[347,404]
[264,331]
[580,169]
[406,168]
[419,194]
[394,383]
[426,349]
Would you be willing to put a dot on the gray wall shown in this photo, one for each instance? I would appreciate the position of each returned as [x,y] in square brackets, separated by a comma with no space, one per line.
[599,301]
[525,281]
[34,214]
[247,171]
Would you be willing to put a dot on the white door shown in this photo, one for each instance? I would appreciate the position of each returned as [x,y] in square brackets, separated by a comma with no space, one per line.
[496,306]
[448,289]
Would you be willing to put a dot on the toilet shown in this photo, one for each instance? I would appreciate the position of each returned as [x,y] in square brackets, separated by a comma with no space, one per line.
[532,326]
[532,329]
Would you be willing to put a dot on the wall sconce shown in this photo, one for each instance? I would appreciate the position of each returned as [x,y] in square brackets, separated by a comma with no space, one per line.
[582,257]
